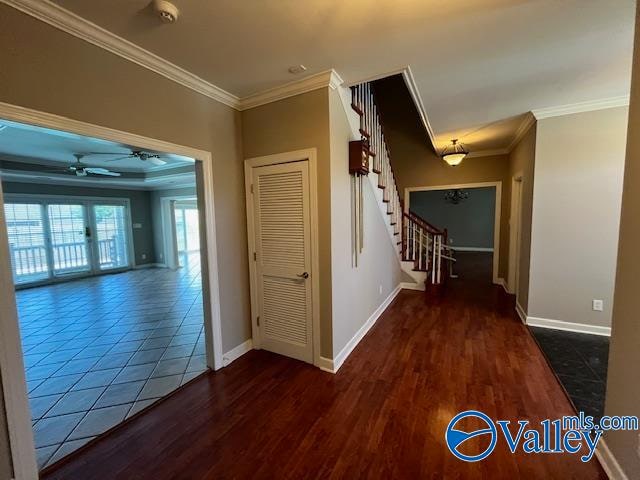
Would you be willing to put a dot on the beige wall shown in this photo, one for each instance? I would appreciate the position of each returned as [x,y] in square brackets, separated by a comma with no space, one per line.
[357,291]
[48,70]
[623,388]
[522,162]
[6,468]
[293,124]
[576,213]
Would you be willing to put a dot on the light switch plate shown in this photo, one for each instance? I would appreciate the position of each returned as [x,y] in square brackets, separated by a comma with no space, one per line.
[598,305]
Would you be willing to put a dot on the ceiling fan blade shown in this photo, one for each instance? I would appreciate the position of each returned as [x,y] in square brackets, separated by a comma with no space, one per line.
[101,171]
[107,153]
[156,161]
[121,158]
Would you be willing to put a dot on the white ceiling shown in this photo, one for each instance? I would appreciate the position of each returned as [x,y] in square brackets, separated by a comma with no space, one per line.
[41,151]
[475,62]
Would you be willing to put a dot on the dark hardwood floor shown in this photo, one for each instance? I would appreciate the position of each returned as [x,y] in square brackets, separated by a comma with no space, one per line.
[383,415]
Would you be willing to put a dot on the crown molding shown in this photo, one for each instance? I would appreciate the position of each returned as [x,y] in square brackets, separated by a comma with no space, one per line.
[488,153]
[527,122]
[328,78]
[590,106]
[67,21]
[79,27]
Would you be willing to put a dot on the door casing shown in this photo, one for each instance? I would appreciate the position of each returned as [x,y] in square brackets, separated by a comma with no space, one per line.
[309,155]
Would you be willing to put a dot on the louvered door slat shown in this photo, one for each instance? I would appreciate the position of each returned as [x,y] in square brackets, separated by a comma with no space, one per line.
[282,221]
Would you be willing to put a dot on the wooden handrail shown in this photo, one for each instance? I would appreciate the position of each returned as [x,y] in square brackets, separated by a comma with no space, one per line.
[423,223]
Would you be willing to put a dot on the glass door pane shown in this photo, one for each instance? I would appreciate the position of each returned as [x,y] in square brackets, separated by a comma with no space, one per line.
[111,236]
[180,230]
[27,244]
[192,222]
[67,227]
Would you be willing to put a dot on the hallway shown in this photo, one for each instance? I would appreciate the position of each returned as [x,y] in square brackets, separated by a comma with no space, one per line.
[383,415]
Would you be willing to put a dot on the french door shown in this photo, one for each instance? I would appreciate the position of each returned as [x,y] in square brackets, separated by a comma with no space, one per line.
[50,239]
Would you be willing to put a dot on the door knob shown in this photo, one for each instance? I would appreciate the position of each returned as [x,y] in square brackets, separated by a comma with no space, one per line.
[303,275]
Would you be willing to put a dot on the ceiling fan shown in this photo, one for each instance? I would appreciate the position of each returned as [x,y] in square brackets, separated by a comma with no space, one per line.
[153,158]
[82,170]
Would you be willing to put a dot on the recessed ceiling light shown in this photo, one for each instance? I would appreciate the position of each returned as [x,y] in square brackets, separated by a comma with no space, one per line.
[297,69]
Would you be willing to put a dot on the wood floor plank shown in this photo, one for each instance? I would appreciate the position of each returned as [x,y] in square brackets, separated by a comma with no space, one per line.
[383,415]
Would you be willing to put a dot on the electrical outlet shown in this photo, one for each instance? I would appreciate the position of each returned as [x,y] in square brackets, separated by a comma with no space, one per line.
[597,305]
[144,256]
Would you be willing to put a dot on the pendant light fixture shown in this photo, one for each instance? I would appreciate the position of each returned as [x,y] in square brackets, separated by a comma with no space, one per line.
[454,154]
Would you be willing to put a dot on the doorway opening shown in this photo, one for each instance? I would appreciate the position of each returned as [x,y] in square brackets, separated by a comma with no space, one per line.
[471,214]
[105,327]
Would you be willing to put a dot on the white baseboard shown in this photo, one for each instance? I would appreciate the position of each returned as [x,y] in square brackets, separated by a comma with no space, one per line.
[609,463]
[568,326]
[326,365]
[334,365]
[521,313]
[471,249]
[150,265]
[501,281]
[237,352]
[412,286]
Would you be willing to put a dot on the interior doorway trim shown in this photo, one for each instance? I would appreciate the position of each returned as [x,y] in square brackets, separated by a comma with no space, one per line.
[496,217]
[515,226]
[11,361]
[286,157]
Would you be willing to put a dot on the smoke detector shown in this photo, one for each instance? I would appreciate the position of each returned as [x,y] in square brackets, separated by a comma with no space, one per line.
[167,11]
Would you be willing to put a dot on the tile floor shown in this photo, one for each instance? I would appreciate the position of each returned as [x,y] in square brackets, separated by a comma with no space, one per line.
[98,350]
[580,362]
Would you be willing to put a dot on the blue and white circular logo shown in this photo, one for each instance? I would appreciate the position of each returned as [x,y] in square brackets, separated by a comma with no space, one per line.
[455,438]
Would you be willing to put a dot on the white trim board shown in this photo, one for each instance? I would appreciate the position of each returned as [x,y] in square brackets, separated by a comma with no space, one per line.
[412,286]
[521,313]
[527,122]
[609,463]
[236,352]
[471,249]
[332,366]
[590,106]
[568,326]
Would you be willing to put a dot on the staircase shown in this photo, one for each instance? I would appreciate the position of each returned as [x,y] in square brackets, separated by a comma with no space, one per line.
[423,250]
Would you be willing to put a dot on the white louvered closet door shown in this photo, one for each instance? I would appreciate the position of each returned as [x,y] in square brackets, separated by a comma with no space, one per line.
[283,258]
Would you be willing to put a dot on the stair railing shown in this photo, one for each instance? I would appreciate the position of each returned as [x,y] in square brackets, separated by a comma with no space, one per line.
[420,242]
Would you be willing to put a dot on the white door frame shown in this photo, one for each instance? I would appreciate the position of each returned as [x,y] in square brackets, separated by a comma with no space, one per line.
[498,210]
[170,243]
[11,361]
[515,225]
[295,156]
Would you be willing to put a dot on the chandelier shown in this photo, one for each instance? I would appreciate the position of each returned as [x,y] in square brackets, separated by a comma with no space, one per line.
[455,196]
[454,153]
